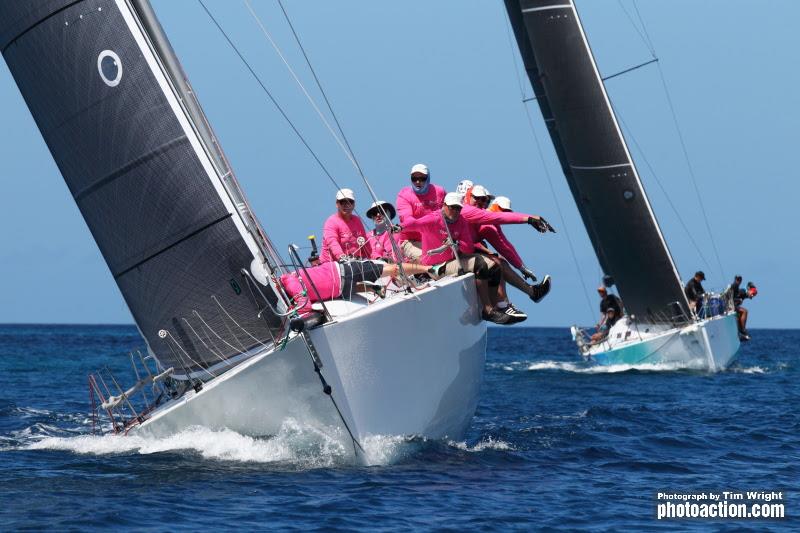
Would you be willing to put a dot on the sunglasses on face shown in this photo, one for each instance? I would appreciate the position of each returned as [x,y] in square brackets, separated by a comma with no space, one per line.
[345,202]
[480,199]
[456,207]
[419,179]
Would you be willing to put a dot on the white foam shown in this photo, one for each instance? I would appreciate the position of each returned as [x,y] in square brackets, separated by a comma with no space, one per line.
[294,443]
[485,444]
[583,368]
[749,370]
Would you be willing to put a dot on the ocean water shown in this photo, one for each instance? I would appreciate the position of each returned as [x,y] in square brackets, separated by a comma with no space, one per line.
[555,444]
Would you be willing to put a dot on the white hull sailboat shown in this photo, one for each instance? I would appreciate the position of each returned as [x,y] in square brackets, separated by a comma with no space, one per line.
[381,382]
[226,347]
[659,326]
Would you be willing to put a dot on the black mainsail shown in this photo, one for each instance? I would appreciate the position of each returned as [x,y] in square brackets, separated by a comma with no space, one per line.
[144,168]
[594,157]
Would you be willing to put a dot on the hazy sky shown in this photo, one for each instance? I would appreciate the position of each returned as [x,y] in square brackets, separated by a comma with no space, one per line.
[435,82]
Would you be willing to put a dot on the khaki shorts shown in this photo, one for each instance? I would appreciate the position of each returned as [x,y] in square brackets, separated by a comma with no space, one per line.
[469,263]
[412,250]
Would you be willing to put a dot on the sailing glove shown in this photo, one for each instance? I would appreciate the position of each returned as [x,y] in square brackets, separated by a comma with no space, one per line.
[541,225]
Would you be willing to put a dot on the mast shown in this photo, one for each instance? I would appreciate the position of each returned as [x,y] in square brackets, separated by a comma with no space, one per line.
[147,174]
[595,158]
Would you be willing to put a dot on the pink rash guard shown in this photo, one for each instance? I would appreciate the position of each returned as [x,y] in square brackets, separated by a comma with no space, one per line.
[381,245]
[494,234]
[433,234]
[344,237]
[411,205]
[326,277]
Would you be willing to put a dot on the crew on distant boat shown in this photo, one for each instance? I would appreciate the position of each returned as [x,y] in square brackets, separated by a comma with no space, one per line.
[413,202]
[437,249]
[738,295]
[380,237]
[694,291]
[610,311]
[343,235]
[340,280]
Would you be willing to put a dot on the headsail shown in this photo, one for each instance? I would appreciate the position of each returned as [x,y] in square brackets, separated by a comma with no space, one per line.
[113,106]
[594,157]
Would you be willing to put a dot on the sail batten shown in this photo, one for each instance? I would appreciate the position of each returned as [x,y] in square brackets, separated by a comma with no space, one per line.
[148,180]
[594,157]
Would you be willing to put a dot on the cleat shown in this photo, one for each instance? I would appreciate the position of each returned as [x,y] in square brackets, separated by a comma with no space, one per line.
[540,291]
[496,316]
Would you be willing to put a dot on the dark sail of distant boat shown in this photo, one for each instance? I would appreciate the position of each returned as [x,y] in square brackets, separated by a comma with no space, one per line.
[595,159]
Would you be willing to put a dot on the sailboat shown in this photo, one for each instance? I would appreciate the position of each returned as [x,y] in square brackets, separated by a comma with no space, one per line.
[198,272]
[659,327]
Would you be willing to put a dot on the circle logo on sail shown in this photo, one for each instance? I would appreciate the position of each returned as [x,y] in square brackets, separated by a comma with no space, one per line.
[109,66]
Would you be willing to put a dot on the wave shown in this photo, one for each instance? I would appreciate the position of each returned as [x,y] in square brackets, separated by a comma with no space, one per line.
[296,444]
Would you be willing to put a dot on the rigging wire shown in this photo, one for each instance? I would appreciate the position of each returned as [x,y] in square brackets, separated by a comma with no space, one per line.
[663,190]
[645,36]
[544,167]
[271,97]
[345,146]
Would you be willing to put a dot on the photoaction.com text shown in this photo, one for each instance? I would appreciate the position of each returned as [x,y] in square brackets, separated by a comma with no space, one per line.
[723,504]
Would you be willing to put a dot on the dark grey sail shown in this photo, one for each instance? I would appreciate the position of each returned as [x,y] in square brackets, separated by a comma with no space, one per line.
[594,157]
[119,118]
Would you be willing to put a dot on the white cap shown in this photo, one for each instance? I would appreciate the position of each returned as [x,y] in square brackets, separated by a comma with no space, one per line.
[422,169]
[503,202]
[342,194]
[480,190]
[452,198]
[463,186]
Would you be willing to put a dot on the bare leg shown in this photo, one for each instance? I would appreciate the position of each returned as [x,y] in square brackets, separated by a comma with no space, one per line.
[743,318]
[515,280]
[483,294]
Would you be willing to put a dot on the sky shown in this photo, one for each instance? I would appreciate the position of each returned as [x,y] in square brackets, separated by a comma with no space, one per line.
[437,82]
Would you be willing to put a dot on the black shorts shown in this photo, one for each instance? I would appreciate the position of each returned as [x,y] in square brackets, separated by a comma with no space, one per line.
[354,272]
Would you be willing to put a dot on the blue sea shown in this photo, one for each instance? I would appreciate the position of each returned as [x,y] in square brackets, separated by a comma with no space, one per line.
[555,444]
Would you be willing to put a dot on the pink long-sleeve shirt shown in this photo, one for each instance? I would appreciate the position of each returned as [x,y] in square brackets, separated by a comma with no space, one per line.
[344,237]
[495,236]
[381,246]
[433,234]
[326,277]
[411,205]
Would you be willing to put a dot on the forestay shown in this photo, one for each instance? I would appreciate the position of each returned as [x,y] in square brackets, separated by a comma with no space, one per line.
[594,157]
[117,114]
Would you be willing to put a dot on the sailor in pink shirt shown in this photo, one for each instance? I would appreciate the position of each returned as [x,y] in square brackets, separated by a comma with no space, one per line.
[478,198]
[446,229]
[332,280]
[380,238]
[413,202]
[343,235]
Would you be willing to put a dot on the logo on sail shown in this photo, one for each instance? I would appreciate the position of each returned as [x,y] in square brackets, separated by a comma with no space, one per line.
[110,68]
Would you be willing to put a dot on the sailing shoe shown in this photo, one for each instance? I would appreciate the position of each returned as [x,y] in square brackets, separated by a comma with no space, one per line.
[515,314]
[540,291]
[496,316]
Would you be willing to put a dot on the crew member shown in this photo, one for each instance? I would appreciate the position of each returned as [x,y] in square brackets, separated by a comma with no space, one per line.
[380,237]
[343,235]
[694,291]
[739,295]
[413,202]
[436,230]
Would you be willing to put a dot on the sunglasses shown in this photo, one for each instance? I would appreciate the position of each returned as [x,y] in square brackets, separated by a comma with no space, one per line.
[481,198]
[346,202]
[456,207]
[419,179]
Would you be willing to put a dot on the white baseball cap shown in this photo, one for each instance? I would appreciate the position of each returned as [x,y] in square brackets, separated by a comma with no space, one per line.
[503,202]
[422,169]
[452,198]
[345,194]
[463,186]
[480,190]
